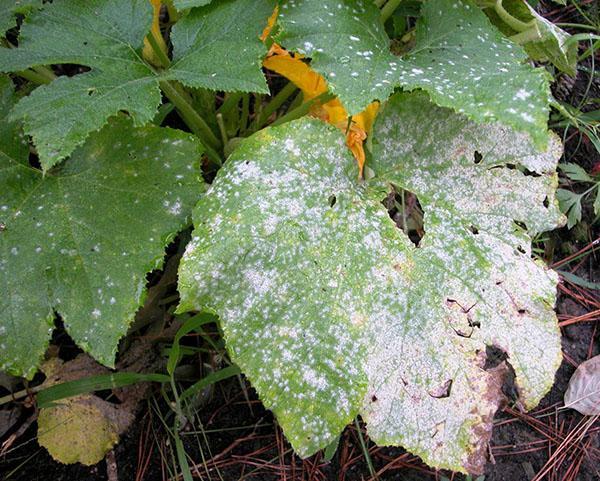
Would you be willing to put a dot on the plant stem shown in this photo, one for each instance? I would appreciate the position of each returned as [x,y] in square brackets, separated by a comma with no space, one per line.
[379,3]
[160,54]
[303,109]
[20,394]
[388,9]
[525,36]
[222,128]
[34,77]
[511,21]
[365,450]
[245,114]
[273,105]
[192,119]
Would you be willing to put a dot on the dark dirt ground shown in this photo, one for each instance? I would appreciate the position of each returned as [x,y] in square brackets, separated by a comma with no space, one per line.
[241,439]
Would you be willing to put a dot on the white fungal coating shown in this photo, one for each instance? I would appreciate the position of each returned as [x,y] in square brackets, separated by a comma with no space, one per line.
[331,310]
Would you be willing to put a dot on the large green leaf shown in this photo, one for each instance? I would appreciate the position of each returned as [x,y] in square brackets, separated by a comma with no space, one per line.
[331,310]
[10,8]
[107,36]
[215,48]
[80,240]
[459,58]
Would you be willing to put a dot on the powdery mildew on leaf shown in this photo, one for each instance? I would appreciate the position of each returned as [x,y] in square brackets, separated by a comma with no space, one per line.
[459,57]
[348,46]
[80,240]
[331,310]
[108,36]
[476,281]
[466,64]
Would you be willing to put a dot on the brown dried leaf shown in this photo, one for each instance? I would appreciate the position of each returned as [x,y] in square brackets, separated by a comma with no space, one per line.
[583,393]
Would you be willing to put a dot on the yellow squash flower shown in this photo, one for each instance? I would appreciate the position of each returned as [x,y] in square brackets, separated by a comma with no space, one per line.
[312,85]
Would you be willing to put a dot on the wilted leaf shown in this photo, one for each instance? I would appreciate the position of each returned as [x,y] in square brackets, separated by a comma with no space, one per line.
[331,310]
[80,429]
[543,41]
[583,393]
[80,240]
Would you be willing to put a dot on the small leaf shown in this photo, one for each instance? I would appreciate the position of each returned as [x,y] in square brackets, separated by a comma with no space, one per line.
[83,428]
[570,204]
[597,201]
[575,172]
[215,48]
[79,240]
[583,393]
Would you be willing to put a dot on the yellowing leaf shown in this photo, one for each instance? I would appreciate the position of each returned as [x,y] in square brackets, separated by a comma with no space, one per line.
[77,430]
[312,85]
[80,429]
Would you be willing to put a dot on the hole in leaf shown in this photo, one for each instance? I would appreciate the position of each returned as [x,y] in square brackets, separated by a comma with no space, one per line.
[477,157]
[373,398]
[494,358]
[34,161]
[332,200]
[474,229]
[441,391]
[405,210]
[546,202]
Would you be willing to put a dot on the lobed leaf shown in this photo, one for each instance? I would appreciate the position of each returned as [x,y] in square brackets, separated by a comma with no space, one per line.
[331,310]
[79,240]
[459,58]
[215,49]
[108,37]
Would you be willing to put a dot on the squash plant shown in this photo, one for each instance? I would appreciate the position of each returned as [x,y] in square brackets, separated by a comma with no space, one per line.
[329,309]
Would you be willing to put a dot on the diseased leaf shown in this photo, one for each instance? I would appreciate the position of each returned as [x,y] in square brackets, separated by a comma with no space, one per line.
[459,58]
[10,8]
[80,240]
[465,63]
[80,429]
[331,310]
[213,48]
[348,46]
[108,36]
[583,393]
